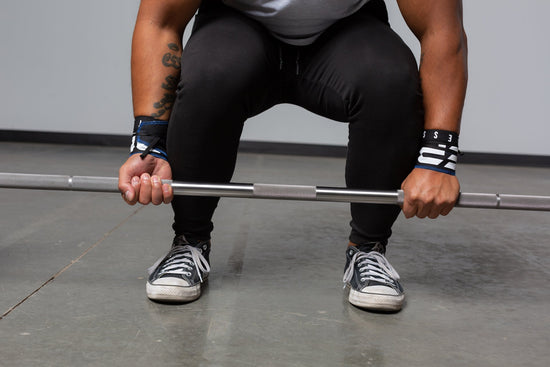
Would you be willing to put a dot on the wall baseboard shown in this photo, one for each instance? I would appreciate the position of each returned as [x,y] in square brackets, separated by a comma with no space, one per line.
[47,137]
[317,150]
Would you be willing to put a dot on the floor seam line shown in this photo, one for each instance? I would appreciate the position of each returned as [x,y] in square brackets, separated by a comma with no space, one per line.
[68,266]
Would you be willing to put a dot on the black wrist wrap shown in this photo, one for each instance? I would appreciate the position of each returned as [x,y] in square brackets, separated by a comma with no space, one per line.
[149,137]
[439,151]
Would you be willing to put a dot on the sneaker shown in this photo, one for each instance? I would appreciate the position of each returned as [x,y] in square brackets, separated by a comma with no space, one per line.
[177,277]
[372,280]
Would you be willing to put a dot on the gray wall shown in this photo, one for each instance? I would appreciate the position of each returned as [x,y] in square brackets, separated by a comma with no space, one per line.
[65,68]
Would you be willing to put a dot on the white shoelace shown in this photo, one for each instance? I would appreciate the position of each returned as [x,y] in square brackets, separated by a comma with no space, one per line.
[182,259]
[372,266]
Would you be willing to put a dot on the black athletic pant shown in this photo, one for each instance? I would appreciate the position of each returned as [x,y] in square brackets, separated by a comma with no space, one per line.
[359,71]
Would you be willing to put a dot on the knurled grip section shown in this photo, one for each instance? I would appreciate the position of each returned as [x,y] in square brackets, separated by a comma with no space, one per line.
[285,191]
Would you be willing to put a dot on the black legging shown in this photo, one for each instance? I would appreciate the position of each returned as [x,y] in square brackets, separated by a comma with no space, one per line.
[359,71]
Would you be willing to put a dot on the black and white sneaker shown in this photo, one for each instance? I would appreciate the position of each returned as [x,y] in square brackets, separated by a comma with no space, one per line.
[177,277]
[374,283]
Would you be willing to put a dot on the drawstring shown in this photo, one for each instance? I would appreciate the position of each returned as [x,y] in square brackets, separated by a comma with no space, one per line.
[281,60]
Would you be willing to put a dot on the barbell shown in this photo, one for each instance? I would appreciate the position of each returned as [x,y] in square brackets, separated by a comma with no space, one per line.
[269,191]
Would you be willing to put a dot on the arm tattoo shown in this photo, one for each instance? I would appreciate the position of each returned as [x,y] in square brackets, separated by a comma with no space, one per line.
[173,47]
[170,60]
[164,105]
[170,82]
[167,101]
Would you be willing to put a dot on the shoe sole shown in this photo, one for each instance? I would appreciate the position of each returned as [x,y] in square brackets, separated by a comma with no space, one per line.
[172,293]
[376,302]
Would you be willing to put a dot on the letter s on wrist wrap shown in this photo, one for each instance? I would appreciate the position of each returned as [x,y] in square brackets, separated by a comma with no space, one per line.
[149,137]
[439,151]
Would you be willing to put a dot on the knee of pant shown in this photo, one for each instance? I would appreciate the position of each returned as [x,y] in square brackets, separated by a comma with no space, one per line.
[398,74]
[222,67]
[391,84]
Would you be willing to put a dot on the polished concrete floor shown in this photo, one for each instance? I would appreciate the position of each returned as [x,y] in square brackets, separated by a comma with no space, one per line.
[73,267]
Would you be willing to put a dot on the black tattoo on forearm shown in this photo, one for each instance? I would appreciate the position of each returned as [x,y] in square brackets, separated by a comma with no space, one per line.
[170,82]
[171,60]
[164,105]
[167,101]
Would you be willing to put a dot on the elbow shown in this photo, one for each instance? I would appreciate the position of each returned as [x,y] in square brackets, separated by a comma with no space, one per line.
[161,25]
[169,16]
[456,40]
[463,52]
[463,42]
[456,46]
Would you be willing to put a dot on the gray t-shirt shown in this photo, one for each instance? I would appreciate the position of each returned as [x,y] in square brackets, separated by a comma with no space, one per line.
[297,22]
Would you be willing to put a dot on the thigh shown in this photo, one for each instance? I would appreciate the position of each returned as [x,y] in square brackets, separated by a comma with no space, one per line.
[226,70]
[358,70]
[363,73]
[225,77]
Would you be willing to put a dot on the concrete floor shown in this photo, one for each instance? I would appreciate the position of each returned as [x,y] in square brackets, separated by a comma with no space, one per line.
[73,267]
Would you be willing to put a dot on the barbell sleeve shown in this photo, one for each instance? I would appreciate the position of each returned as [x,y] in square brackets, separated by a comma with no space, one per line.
[58,182]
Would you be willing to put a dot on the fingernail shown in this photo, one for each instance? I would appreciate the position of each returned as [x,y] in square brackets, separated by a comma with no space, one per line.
[156,180]
[127,195]
[135,181]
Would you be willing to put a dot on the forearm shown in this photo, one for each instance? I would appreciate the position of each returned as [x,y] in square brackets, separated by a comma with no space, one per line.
[444,75]
[156,65]
[438,26]
[156,54]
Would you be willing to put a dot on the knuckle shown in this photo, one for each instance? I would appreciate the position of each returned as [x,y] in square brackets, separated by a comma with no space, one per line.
[414,196]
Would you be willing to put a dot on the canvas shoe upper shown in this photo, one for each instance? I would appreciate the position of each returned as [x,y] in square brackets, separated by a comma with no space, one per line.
[373,282]
[177,277]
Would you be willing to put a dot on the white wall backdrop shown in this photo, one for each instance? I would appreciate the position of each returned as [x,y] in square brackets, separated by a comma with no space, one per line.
[64,67]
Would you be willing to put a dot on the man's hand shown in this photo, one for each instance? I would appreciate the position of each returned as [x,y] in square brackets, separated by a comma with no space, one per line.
[139,180]
[429,193]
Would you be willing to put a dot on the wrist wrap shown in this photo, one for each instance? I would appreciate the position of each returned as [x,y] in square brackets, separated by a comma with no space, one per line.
[149,137]
[439,151]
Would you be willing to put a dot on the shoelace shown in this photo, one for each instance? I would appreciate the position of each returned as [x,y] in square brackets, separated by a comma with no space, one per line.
[181,259]
[372,266]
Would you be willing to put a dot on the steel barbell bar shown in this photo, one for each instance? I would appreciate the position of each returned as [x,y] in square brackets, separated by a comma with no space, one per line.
[269,191]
